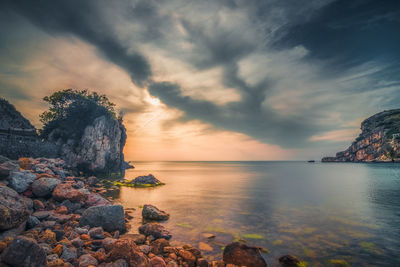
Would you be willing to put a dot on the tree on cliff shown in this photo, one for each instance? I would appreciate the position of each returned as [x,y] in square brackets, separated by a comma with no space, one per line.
[71,111]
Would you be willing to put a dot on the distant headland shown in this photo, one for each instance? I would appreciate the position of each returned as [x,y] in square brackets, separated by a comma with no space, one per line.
[379,140]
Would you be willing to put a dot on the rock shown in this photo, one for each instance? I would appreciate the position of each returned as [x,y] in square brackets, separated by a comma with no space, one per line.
[151,212]
[377,142]
[108,243]
[157,262]
[187,256]
[145,249]
[110,218]
[11,233]
[32,222]
[52,257]
[95,199]
[4,172]
[81,231]
[172,264]
[42,214]
[69,253]
[202,262]
[154,229]
[47,248]
[288,261]
[62,210]
[117,263]
[20,181]
[99,149]
[38,205]
[13,209]
[87,260]
[24,252]
[77,242]
[44,187]
[96,233]
[67,192]
[48,237]
[205,246]
[145,179]
[242,255]
[72,207]
[126,249]
[159,245]
[137,238]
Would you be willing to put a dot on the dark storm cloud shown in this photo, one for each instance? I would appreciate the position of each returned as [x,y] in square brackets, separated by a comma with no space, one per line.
[318,60]
[83,19]
[349,33]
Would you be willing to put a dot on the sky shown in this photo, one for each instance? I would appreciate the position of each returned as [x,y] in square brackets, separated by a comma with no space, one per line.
[211,80]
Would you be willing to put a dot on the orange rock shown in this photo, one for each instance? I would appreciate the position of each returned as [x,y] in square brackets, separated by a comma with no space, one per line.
[125,248]
[67,192]
[151,255]
[57,250]
[45,175]
[24,163]
[85,237]
[187,256]
[62,210]
[3,246]
[48,237]
[99,256]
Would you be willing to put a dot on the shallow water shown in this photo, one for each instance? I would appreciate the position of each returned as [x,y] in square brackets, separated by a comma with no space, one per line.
[316,211]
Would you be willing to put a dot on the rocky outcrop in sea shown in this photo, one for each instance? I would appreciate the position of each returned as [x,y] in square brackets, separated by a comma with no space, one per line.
[99,150]
[379,140]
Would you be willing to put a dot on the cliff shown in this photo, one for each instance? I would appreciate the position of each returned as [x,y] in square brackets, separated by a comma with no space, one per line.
[98,151]
[379,140]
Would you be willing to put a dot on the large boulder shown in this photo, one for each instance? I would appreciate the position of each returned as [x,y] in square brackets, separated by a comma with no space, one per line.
[151,212]
[67,192]
[154,229]
[20,181]
[13,208]
[242,255]
[24,252]
[99,149]
[43,187]
[110,217]
[126,249]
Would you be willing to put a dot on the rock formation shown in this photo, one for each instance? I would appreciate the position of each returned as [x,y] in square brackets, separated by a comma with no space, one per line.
[379,140]
[99,150]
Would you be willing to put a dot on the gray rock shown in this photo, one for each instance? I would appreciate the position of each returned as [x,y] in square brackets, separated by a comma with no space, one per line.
[20,181]
[43,187]
[13,232]
[52,257]
[117,263]
[32,222]
[154,229]
[110,217]
[24,252]
[242,255]
[46,247]
[151,212]
[145,179]
[42,214]
[72,207]
[80,230]
[13,209]
[69,253]
[96,233]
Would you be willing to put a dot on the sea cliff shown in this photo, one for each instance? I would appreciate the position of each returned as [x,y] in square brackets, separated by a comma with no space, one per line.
[379,140]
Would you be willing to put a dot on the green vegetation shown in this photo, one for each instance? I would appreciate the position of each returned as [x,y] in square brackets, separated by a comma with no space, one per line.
[137,185]
[71,111]
[339,263]
[302,264]
[370,247]
[253,236]
[185,225]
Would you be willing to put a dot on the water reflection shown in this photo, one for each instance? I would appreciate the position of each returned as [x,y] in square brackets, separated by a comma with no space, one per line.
[318,212]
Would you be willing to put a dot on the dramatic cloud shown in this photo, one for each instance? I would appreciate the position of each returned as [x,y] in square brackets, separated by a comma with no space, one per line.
[293,74]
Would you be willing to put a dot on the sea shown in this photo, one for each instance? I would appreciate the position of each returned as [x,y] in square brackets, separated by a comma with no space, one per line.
[323,213]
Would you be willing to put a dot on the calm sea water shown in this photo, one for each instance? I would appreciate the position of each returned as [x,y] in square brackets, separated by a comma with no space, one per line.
[316,211]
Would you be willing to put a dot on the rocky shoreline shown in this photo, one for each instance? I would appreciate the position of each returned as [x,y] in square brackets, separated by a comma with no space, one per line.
[48,217]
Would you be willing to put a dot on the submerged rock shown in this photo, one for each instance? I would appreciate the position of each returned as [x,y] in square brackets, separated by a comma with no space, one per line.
[24,252]
[110,217]
[154,229]
[242,255]
[13,209]
[151,212]
[288,261]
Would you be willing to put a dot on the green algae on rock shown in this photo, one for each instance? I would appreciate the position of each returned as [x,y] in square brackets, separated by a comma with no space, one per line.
[144,181]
